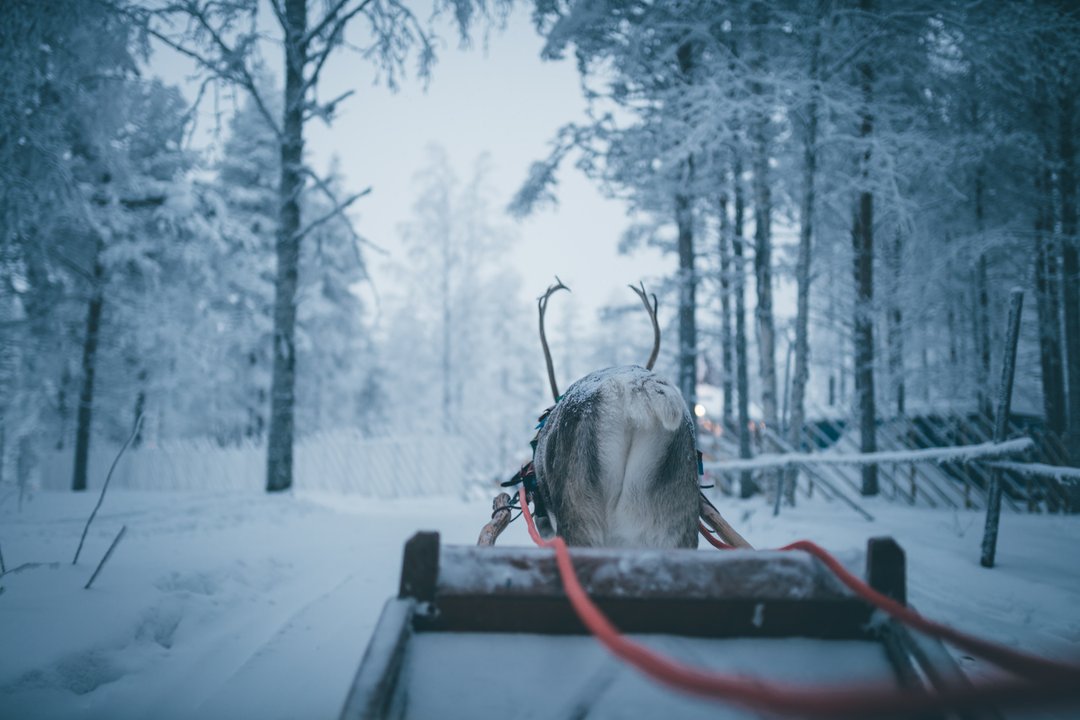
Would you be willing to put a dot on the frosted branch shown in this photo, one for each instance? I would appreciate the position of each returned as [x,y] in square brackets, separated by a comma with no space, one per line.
[963,453]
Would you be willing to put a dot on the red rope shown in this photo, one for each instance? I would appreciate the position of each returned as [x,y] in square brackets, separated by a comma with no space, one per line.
[1019,662]
[1056,681]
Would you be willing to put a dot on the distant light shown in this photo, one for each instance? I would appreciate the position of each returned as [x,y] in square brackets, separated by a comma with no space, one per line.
[699,410]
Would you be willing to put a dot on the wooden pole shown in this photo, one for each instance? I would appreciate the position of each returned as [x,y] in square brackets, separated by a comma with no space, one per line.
[716,521]
[1001,421]
[500,518]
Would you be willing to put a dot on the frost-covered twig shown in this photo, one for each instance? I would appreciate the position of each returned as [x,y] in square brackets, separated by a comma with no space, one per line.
[939,454]
[105,486]
[105,558]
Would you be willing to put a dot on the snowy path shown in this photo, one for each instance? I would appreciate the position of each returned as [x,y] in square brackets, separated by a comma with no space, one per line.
[251,606]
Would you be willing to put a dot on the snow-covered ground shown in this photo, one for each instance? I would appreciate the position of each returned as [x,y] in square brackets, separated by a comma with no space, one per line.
[247,605]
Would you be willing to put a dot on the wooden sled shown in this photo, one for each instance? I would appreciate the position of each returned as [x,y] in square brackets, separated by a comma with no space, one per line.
[485,632]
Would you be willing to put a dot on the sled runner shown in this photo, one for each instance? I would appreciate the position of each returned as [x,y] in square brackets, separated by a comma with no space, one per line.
[488,632]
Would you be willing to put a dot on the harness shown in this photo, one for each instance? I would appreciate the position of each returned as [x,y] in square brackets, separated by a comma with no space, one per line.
[526,476]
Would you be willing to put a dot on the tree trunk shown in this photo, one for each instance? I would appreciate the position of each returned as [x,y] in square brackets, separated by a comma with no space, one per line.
[256,403]
[982,307]
[687,283]
[802,273]
[863,252]
[62,410]
[763,277]
[1049,311]
[447,370]
[747,486]
[684,219]
[140,408]
[726,339]
[89,365]
[279,462]
[763,312]
[1070,267]
[763,239]
[896,319]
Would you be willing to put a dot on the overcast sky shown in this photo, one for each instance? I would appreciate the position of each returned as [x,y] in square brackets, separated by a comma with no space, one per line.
[502,100]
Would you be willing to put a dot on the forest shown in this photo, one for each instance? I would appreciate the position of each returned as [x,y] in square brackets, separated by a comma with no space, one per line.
[851,190]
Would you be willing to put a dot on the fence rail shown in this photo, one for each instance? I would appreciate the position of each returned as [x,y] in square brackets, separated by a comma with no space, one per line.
[941,454]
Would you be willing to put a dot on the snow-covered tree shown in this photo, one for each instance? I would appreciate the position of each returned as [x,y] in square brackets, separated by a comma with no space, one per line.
[461,336]
[223,39]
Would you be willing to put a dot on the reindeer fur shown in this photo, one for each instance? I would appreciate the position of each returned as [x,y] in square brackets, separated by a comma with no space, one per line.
[616,463]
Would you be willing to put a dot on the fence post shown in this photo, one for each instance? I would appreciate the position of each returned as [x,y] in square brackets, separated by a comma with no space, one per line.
[1001,422]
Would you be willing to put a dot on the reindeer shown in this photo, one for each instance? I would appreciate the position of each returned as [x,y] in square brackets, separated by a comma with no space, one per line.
[616,460]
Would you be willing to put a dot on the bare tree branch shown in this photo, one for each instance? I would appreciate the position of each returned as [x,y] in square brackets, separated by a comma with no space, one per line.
[328,192]
[323,54]
[339,209]
[279,12]
[325,111]
[327,18]
[227,69]
[236,62]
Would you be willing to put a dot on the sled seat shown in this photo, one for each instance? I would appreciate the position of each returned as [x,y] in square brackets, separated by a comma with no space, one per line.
[488,632]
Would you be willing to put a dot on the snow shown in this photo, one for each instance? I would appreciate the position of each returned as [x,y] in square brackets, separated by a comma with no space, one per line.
[222,605]
[579,675]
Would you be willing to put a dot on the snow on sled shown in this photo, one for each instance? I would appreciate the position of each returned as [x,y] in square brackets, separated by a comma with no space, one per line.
[488,632]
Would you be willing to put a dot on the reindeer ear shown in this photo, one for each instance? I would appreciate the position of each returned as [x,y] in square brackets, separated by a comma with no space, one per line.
[541,304]
[651,309]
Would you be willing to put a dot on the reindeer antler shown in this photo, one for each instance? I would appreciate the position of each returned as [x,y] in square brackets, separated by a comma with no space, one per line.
[541,304]
[651,309]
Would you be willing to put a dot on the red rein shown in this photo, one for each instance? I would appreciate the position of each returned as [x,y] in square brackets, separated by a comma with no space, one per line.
[1040,679]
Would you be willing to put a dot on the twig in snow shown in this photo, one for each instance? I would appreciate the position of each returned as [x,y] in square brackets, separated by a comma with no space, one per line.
[30,566]
[104,487]
[108,554]
[2,568]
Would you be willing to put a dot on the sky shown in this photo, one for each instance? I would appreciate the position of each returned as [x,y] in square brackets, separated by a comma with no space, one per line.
[497,97]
